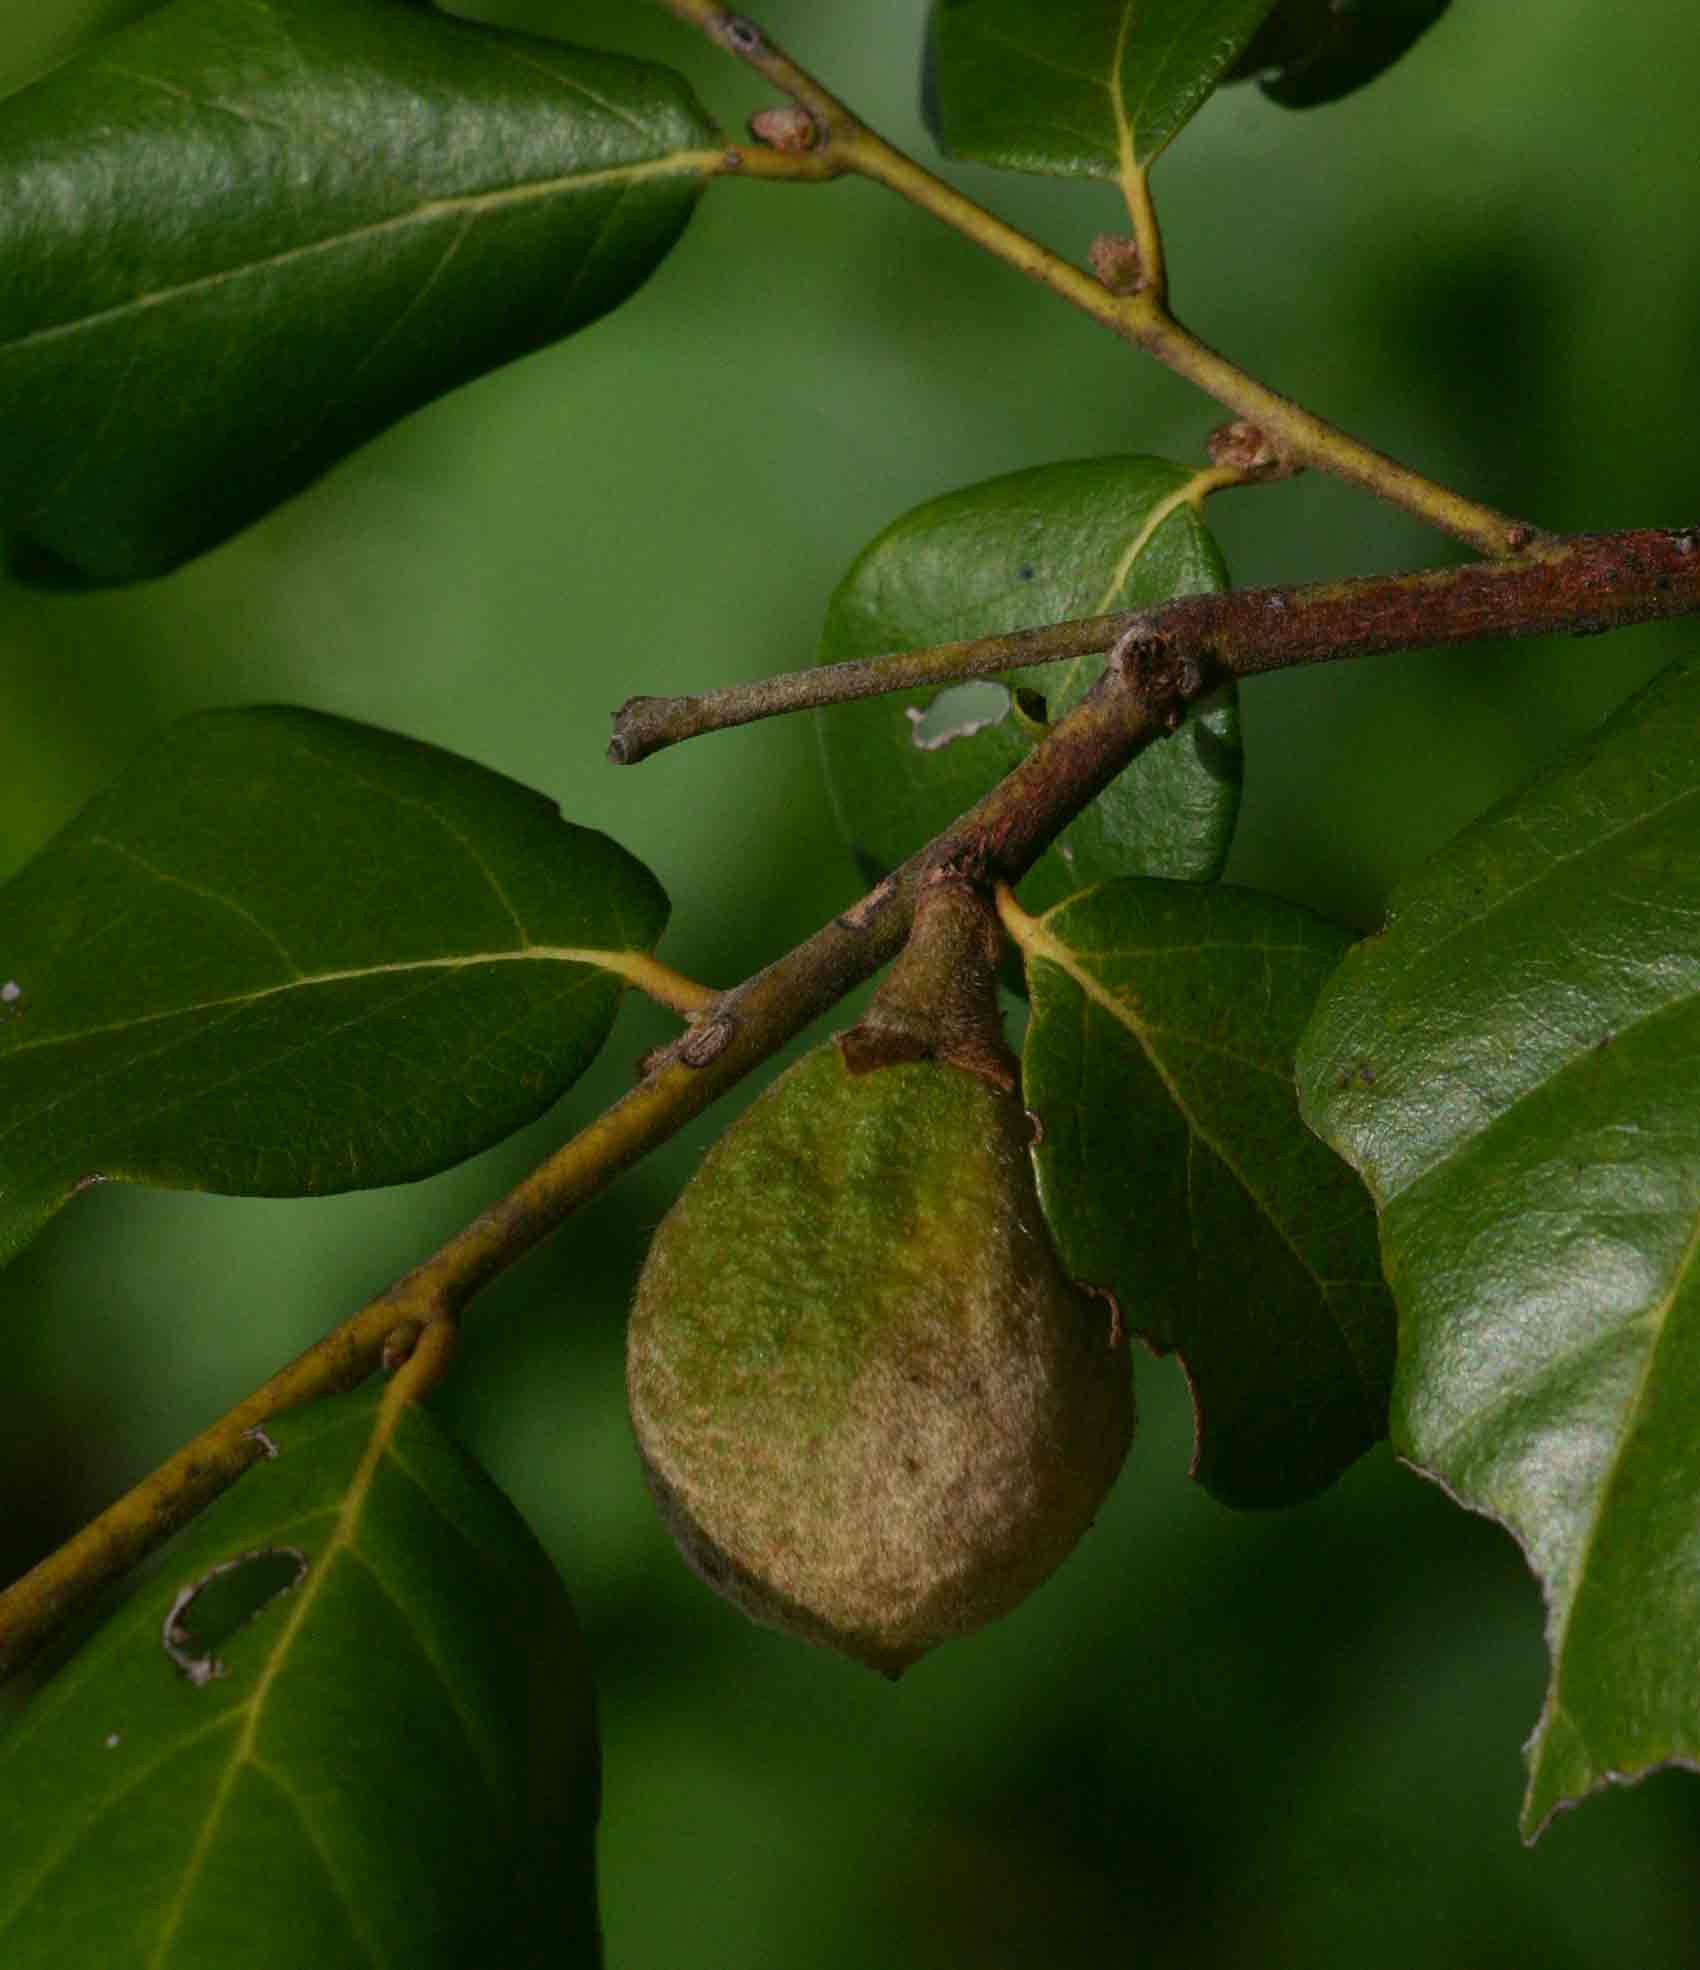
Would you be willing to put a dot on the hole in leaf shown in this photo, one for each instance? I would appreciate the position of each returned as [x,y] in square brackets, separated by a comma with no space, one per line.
[957,712]
[228,1596]
[1031,708]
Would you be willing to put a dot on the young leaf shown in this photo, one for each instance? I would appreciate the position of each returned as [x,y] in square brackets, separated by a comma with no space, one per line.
[1075,88]
[349,1722]
[1033,547]
[1177,1176]
[1316,51]
[285,954]
[241,237]
[1514,1065]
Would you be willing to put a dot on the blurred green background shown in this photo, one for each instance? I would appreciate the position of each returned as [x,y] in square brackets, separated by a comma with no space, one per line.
[1212,1740]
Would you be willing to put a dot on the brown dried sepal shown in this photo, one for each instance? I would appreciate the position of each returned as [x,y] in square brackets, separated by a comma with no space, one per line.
[1114,258]
[1167,679]
[1248,449]
[785,127]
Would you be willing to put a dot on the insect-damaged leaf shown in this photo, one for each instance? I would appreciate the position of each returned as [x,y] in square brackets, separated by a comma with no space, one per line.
[380,1749]
[1033,547]
[1514,1064]
[286,954]
[1176,1173]
[1075,88]
[240,237]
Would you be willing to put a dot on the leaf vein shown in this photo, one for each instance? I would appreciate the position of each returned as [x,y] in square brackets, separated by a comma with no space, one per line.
[316,1845]
[423,806]
[433,211]
[351,380]
[180,94]
[309,981]
[1659,1320]
[1049,948]
[484,1755]
[306,1595]
[200,889]
[132,1782]
[1591,846]
[523,59]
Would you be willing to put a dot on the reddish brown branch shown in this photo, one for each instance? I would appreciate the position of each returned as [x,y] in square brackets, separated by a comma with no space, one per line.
[1578,586]
[1160,660]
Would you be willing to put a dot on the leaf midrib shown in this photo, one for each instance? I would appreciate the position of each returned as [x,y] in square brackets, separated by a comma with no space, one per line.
[1125,112]
[1042,943]
[602,960]
[1127,560]
[342,1535]
[1155,76]
[1660,1321]
[471,206]
[1595,844]
[1508,1115]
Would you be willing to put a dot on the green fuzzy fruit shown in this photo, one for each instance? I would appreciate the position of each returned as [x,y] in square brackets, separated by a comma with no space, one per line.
[871,1406]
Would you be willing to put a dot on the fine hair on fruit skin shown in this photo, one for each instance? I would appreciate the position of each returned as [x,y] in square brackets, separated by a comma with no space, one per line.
[871,1407]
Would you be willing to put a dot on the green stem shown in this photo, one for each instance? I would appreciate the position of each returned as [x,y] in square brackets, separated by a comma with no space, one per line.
[1311,440]
[997,839]
[658,981]
[1161,658]
[847,144]
[32,1608]
[1154,669]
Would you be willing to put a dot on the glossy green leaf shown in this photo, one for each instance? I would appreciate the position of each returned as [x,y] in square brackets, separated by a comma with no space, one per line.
[1075,88]
[1316,51]
[240,237]
[1177,1176]
[285,954]
[391,1760]
[1039,546]
[1514,1064]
